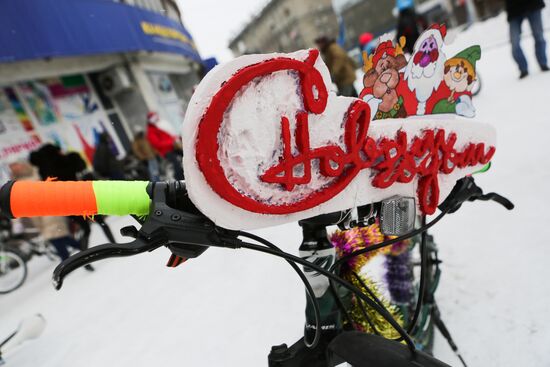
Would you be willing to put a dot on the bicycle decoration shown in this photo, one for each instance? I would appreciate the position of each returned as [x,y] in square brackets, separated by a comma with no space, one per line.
[427,83]
[395,87]
[366,319]
[267,142]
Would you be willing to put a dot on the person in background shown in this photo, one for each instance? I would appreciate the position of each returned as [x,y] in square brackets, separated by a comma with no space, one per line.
[52,229]
[105,161]
[164,143]
[52,163]
[518,10]
[409,24]
[340,65]
[145,153]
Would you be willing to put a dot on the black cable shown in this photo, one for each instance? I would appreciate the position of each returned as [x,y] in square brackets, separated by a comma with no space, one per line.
[377,300]
[340,304]
[383,312]
[422,286]
[362,307]
[335,268]
[389,242]
[309,289]
[314,299]
[338,300]
[369,291]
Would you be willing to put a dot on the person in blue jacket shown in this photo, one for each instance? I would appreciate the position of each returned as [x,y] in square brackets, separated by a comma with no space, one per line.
[518,11]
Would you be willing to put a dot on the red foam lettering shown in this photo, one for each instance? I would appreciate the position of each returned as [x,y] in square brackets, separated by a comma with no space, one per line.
[392,159]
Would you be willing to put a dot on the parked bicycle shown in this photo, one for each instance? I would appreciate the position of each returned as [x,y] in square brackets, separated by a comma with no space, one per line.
[17,248]
[13,268]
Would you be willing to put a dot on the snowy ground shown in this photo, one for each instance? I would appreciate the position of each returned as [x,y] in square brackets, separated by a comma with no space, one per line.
[228,307]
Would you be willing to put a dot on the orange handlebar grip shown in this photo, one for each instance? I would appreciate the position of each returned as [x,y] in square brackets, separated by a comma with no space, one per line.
[52,198]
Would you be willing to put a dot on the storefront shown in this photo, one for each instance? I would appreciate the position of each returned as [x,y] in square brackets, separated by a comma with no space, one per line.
[73,69]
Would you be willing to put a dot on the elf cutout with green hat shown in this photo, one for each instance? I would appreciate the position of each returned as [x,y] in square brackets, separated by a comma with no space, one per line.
[459,76]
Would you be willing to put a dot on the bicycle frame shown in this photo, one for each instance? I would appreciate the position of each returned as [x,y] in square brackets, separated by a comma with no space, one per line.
[299,355]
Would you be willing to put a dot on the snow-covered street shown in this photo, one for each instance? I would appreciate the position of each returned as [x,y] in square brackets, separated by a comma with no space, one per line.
[228,307]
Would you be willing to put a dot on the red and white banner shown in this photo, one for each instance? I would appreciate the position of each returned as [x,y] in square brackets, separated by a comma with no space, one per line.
[267,143]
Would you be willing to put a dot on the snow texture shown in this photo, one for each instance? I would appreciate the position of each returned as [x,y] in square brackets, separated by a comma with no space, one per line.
[228,307]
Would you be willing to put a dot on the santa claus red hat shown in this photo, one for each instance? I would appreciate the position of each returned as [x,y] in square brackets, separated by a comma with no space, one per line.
[442,28]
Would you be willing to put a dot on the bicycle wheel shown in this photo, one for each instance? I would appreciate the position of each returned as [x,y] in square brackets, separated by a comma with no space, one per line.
[13,270]
[403,281]
[424,331]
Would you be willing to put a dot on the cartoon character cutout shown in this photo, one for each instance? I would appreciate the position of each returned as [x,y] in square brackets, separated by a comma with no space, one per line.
[381,79]
[426,83]
[424,71]
[459,77]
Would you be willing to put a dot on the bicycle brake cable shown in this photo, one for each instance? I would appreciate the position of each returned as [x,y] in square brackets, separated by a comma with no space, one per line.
[382,311]
[307,284]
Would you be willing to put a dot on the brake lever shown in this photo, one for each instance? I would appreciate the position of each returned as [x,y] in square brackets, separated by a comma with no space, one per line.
[466,190]
[186,232]
[496,198]
[97,253]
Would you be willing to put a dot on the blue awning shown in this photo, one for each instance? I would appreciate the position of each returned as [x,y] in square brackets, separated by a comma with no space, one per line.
[38,29]
[209,63]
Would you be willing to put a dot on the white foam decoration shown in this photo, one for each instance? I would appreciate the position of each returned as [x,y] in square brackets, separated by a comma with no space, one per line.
[250,143]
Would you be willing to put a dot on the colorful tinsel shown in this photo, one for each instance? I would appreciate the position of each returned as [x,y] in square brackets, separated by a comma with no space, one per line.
[364,319]
[358,238]
[399,277]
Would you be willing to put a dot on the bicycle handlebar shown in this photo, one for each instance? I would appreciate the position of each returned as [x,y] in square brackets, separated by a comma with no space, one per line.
[89,198]
[172,219]
[78,198]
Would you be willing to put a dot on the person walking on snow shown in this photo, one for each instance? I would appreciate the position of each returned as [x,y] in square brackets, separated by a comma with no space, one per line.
[517,11]
[409,24]
[340,66]
[145,153]
[164,143]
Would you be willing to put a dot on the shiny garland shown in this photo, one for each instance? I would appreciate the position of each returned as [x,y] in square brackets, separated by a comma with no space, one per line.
[399,277]
[365,318]
[359,238]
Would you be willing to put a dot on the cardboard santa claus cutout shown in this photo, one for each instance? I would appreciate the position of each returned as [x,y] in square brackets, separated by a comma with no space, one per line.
[424,72]
[268,142]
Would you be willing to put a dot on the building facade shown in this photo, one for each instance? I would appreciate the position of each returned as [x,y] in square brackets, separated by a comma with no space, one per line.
[72,69]
[285,26]
[378,17]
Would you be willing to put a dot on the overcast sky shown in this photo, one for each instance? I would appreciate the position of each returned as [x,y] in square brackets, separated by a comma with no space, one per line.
[213,23]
